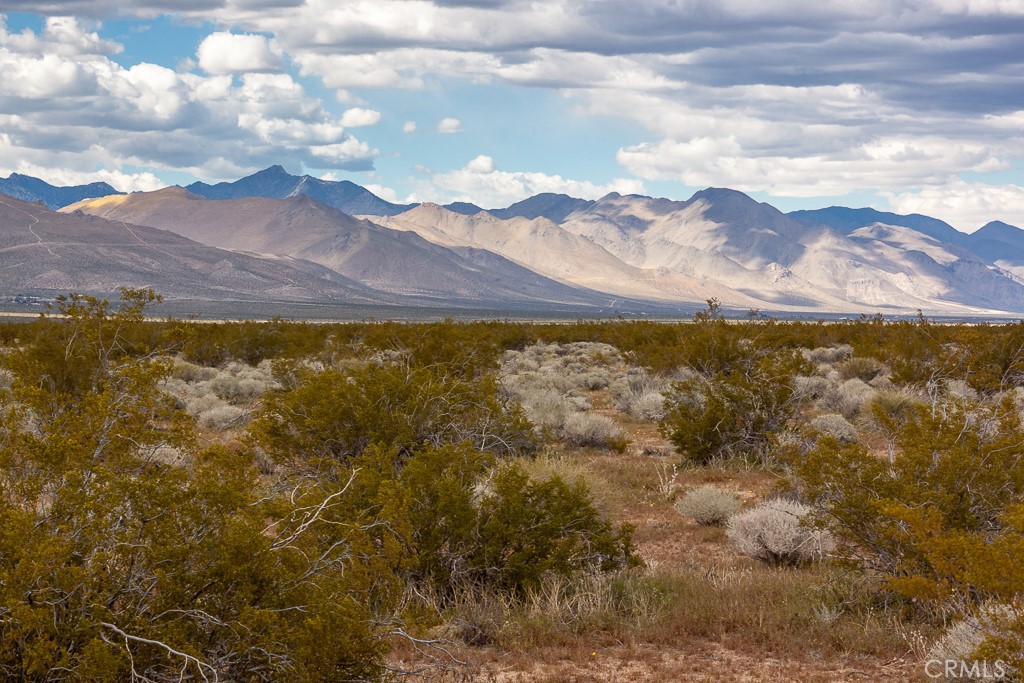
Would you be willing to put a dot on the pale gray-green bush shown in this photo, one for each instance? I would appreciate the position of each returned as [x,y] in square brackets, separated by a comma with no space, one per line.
[777,532]
[190,372]
[847,398]
[222,417]
[196,404]
[545,407]
[805,388]
[836,426]
[708,505]
[589,429]
[959,389]
[827,355]
[640,394]
[960,643]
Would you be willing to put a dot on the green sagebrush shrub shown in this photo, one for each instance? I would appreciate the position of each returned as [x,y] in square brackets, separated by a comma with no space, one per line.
[940,515]
[337,413]
[116,563]
[733,414]
[476,525]
[952,469]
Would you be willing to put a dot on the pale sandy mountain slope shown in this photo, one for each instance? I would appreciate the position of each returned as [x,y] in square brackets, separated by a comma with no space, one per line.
[387,260]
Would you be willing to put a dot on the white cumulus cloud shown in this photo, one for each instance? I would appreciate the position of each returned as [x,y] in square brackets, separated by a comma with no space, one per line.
[61,108]
[965,205]
[231,53]
[357,117]
[480,182]
[449,125]
[409,127]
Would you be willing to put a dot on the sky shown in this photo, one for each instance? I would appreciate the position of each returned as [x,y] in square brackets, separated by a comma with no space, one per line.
[912,106]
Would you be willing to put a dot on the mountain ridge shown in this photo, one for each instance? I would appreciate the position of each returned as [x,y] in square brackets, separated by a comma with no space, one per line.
[720,243]
[29,189]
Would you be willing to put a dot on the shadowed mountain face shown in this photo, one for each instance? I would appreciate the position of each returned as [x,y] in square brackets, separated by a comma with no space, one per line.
[397,262]
[554,207]
[46,251]
[29,189]
[276,183]
[997,241]
[847,220]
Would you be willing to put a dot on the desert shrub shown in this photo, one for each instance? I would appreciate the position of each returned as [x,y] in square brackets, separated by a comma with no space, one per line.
[505,535]
[550,381]
[827,355]
[221,417]
[648,406]
[240,383]
[589,429]
[847,398]
[835,426]
[708,505]
[735,414]
[863,368]
[938,509]
[805,388]
[640,394]
[778,532]
[962,644]
[547,407]
[593,380]
[190,372]
[6,378]
[561,367]
[337,413]
[574,472]
[70,357]
[197,404]
[959,389]
[118,563]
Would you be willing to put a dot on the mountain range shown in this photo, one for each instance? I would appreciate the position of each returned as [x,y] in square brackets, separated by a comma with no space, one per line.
[548,252]
[29,189]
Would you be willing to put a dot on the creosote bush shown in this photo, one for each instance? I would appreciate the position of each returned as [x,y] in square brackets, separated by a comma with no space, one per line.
[708,505]
[778,532]
[338,413]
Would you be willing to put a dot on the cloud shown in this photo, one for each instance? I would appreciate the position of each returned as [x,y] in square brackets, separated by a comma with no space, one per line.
[385,193]
[125,182]
[480,182]
[61,37]
[409,127]
[358,117]
[797,97]
[75,108]
[233,53]
[449,125]
[481,164]
[964,205]
[877,163]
